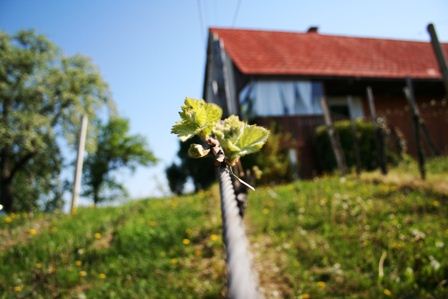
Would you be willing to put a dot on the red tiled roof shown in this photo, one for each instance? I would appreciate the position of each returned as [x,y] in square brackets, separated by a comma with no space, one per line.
[257,52]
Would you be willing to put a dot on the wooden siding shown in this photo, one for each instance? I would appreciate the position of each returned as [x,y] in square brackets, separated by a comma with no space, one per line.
[393,109]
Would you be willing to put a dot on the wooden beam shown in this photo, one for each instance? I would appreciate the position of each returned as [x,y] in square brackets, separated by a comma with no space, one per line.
[439,54]
[379,132]
[427,138]
[79,162]
[334,140]
[409,93]
[355,137]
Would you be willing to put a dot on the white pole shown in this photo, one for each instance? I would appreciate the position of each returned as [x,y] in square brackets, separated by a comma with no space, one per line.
[79,163]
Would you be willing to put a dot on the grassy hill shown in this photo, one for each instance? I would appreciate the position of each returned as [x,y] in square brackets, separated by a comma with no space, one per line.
[370,237]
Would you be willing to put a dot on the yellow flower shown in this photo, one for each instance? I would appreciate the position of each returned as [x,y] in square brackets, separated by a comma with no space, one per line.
[321,285]
[173,261]
[38,265]
[32,232]
[102,276]
[214,237]
[197,252]
[97,236]
[18,288]
[186,242]
[7,219]
[305,296]
[387,292]
[78,263]
[51,269]
[82,273]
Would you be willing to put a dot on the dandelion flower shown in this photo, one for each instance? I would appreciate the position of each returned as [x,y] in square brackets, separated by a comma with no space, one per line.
[7,219]
[214,237]
[102,276]
[82,273]
[38,265]
[78,263]
[173,261]
[387,292]
[97,236]
[186,242]
[305,296]
[321,285]
[32,232]
[197,252]
[18,288]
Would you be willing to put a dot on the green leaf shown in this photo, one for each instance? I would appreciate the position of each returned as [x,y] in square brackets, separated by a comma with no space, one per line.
[197,151]
[196,118]
[239,138]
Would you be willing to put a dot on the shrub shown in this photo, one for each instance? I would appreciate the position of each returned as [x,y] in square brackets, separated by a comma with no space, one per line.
[366,135]
[272,165]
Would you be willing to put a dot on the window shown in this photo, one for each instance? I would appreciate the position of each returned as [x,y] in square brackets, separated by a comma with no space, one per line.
[274,98]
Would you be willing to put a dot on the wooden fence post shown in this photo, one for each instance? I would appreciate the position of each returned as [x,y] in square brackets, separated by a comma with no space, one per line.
[334,140]
[79,163]
[355,137]
[439,55]
[380,144]
[409,92]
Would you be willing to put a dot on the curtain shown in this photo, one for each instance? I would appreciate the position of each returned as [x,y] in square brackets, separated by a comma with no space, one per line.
[273,98]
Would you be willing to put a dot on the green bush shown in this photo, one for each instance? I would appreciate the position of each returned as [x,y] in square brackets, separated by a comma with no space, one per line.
[366,136]
[272,165]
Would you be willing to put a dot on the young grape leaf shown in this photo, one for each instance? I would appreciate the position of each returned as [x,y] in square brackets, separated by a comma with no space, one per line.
[196,118]
[239,138]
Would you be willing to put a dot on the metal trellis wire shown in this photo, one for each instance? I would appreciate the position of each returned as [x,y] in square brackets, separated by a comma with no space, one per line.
[241,278]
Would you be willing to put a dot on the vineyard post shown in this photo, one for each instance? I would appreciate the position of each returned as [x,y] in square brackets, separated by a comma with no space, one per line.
[355,137]
[334,140]
[79,163]
[381,150]
[409,93]
[439,54]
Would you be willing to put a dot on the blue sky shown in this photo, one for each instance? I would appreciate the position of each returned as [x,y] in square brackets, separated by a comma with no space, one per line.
[152,53]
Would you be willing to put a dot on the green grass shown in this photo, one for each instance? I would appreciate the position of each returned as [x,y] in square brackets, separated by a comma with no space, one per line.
[315,239]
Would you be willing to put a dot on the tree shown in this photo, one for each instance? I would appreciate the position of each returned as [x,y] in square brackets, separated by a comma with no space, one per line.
[42,96]
[116,149]
[201,171]
[177,177]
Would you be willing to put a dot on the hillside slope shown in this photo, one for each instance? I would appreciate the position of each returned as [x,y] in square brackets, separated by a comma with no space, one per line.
[326,238]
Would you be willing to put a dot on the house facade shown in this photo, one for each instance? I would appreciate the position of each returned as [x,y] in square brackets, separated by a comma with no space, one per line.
[280,77]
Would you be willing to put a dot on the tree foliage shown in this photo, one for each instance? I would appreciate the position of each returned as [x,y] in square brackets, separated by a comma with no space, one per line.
[116,149]
[200,171]
[42,97]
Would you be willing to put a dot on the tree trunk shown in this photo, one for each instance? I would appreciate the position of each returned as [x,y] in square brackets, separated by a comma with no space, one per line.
[6,197]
